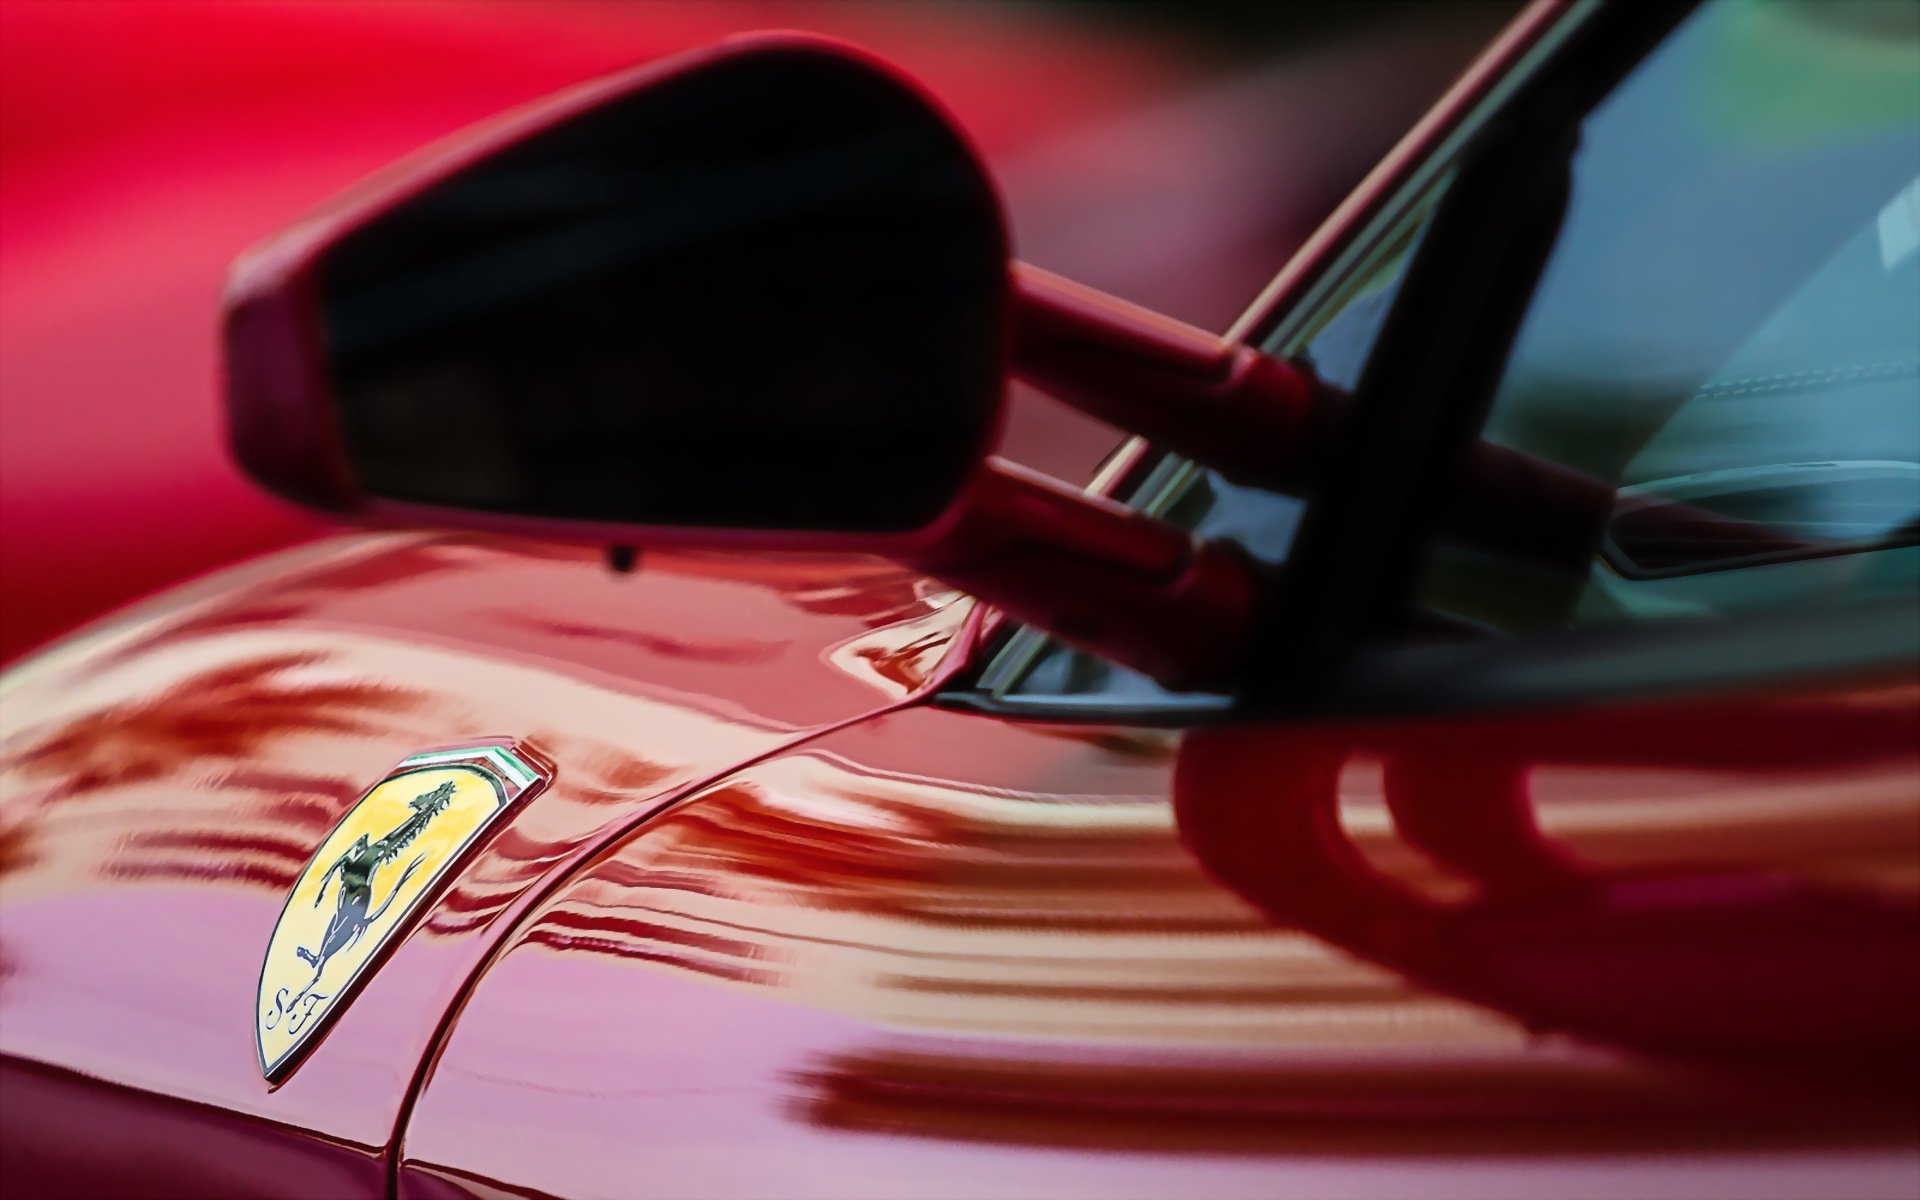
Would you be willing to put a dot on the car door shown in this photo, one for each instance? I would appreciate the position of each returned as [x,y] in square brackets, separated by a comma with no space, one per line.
[1063,932]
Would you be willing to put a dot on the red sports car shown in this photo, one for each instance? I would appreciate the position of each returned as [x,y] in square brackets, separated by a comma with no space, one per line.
[1467,743]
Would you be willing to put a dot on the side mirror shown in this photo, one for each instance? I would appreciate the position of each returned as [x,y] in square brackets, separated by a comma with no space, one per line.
[762,288]
[759,295]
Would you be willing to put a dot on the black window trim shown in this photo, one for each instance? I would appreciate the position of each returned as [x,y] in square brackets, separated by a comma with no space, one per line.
[1863,643]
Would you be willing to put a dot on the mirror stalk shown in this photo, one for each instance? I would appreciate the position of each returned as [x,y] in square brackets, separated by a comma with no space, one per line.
[1221,403]
[1101,576]
[1261,422]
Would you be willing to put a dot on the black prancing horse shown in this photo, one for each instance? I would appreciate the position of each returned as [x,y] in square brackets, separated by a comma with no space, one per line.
[356,868]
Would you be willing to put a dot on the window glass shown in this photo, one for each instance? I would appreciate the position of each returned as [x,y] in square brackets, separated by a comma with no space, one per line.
[1336,345]
[1724,348]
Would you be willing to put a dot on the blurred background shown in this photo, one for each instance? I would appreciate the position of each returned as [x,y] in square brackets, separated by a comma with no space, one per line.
[1172,152]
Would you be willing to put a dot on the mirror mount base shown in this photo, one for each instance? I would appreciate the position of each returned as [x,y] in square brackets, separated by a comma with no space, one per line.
[1101,576]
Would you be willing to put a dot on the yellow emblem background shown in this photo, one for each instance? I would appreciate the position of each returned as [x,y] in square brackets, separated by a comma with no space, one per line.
[293,1003]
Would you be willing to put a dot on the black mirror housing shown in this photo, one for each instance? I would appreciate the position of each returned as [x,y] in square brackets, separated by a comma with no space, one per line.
[758,289]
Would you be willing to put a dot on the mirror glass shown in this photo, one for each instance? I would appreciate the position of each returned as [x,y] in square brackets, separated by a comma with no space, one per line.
[764,292]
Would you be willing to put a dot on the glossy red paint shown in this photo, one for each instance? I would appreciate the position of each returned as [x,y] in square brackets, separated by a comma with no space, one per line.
[179,764]
[936,953]
[925,951]
[1791,843]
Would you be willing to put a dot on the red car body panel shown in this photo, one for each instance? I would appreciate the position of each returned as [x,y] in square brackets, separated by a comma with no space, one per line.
[170,770]
[1618,872]
[938,953]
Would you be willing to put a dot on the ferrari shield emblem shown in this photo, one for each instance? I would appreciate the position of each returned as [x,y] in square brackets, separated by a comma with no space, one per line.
[371,876]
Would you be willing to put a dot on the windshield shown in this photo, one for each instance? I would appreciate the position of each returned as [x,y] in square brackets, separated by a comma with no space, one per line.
[1727,333]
